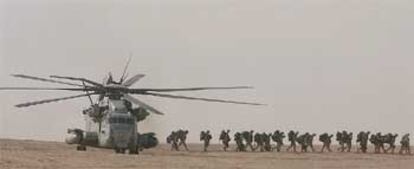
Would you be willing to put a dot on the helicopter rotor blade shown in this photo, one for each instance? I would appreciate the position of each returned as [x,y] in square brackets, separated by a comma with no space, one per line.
[142,104]
[87,92]
[202,99]
[138,91]
[121,80]
[45,88]
[78,79]
[133,80]
[44,79]
[50,100]
[105,80]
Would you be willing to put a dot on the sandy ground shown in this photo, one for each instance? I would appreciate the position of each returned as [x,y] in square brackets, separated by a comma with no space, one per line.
[45,155]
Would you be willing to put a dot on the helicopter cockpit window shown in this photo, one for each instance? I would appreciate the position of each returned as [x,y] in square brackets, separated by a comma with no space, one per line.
[118,106]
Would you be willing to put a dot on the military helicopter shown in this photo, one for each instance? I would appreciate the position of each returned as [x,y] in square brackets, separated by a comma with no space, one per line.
[111,121]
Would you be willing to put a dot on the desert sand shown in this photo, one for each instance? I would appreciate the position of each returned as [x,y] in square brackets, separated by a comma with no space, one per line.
[51,155]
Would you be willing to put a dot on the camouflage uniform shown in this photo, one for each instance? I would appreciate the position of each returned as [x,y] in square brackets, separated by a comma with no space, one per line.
[375,139]
[345,140]
[339,138]
[292,138]
[173,140]
[278,138]
[302,141]
[266,140]
[362,139]
[405,144]
[182,136]
[225,138]
[326,139]
[348,140]
[248,137]
[388,139]
[206,137]
[239,142]
[258,138]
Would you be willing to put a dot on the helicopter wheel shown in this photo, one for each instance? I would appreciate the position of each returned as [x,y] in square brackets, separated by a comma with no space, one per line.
[119,150]
[134,150]
[81,148]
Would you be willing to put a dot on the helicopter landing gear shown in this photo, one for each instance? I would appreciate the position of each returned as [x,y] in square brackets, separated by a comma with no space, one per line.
[81,148]
[119,150]
[133,151]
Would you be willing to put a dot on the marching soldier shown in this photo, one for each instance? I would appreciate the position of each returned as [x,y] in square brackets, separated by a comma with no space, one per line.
[405,144]
[348,140]
[362,139]
[278,138]
[173,140]
[258,138]
[266,140]
[326,139]
[302,141]
[239,142]
[292,136]
[206,137]
[225,139]
[340,137]
[390,139]
[182,136]
[248,137]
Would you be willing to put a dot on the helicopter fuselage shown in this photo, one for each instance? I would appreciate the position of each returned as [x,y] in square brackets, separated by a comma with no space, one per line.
[117,129]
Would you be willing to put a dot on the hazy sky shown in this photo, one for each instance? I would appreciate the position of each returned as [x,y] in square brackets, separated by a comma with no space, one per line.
[321,65]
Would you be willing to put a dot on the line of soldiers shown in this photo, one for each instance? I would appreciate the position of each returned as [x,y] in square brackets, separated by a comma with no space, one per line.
[178,138]
[249,140]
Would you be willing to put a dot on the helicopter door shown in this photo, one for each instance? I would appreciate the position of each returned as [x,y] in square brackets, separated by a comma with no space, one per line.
[104,134]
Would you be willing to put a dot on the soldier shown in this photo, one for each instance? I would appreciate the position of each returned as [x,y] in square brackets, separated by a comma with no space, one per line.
[258,138]
[405,144]
[248,137]
[390,140]
[278,138]
[225,138]
[326,139]
[347,139]
[309,141]
[362,139]
[302,141]
[182,136]
[340,138]
[292,136]
[239,142]
[206,137]
[173,140]
[266,141]
[376,142]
